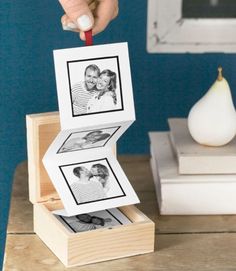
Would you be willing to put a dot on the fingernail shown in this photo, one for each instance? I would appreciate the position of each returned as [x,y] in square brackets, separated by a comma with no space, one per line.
[66,28]
[84,22]
[69,26]
[72,25]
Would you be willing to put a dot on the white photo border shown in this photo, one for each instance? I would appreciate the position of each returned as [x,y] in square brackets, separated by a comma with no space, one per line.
[92,201]
[125,110]
[70,206]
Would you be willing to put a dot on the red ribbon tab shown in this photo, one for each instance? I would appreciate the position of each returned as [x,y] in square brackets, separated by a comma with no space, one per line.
[88,38]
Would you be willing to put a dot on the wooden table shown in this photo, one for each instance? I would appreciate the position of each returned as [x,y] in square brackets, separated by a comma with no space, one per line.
[182,242]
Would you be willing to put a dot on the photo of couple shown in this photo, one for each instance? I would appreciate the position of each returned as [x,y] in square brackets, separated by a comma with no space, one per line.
[87,139]
[91,181]
[91,184]
[92,221]
[97,92]
[90,140]
[94,86]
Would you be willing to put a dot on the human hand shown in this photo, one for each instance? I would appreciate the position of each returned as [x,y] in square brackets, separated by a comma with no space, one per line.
[83,15]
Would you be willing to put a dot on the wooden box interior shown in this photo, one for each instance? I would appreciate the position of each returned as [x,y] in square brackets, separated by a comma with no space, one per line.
[41,131]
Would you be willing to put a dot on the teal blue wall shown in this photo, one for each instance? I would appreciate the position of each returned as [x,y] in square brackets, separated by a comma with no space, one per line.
[164,85]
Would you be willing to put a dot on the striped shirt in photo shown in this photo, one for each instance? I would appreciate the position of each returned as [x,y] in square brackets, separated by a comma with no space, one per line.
[89,191]
[80,98]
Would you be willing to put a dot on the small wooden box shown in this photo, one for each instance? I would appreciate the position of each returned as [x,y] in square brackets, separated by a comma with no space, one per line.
[76,248]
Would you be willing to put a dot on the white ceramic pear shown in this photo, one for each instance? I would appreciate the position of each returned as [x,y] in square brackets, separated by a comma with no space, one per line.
[212,120]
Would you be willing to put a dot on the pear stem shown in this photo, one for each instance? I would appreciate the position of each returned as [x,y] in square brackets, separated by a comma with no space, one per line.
[220,77]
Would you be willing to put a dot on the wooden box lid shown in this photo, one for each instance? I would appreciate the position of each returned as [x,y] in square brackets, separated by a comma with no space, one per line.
[41,131]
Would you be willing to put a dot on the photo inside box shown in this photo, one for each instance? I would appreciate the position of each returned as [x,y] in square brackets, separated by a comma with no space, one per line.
[95,85]
[129,211]
[94,220]
[92,181]
[87,139]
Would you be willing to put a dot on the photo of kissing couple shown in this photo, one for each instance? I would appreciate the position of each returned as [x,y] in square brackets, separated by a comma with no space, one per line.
[97,92]
[89,182]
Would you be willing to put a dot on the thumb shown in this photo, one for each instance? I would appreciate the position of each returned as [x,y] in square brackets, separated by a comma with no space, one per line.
[78,11]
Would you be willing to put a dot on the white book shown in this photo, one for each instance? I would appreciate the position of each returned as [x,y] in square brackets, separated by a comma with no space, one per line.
[194,158]
[188,194]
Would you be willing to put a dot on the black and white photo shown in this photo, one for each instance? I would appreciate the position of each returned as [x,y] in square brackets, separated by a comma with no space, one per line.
[95,85]
[95,220]
[89,181]
[96,107]
[87,139]
[92,181]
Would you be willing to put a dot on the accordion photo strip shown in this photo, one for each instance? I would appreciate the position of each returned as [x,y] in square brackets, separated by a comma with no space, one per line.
[96,107]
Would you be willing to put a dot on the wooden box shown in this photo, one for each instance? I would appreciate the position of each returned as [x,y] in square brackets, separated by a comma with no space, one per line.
[188,194]
[76,248]
[194,158]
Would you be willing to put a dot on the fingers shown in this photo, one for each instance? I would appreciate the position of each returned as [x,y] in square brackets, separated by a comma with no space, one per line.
[79,13]
[82,15]
[106,11]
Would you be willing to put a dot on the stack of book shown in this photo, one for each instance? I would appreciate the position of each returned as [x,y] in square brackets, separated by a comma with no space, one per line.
[192,179]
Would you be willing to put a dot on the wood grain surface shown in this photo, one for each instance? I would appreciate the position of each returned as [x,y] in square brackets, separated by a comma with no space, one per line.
[182,242]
